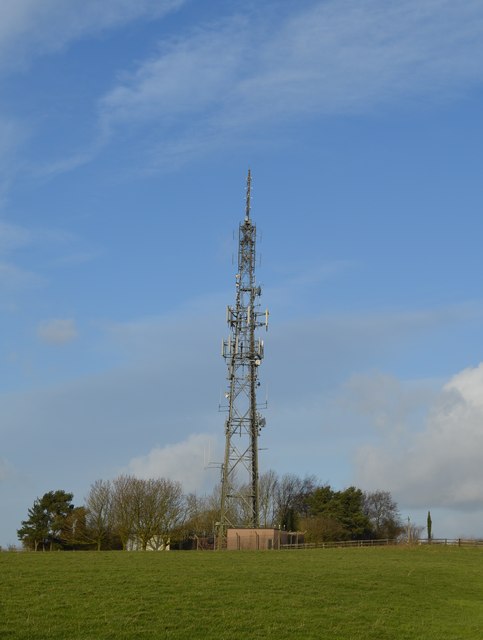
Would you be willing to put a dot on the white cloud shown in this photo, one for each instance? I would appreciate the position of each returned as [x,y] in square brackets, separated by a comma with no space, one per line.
[29,27]
[58,331]
[335,57]
[186,462]
[439,466]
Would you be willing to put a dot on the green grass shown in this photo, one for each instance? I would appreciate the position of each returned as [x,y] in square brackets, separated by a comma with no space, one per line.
[377,593]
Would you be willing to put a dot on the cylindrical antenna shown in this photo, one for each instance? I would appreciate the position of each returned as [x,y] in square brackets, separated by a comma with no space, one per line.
[249,186]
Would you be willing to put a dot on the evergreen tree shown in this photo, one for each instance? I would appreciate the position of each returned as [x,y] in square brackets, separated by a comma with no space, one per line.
[46,520]
[35,530]
[430,527]
[337,515]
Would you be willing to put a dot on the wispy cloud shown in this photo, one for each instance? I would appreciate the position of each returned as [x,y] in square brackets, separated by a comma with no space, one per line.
[13,278]
[316,273]
[31,28]
[10,134]
[68,163]
[5,469]
[76,258]
[186,77]
[13,134]
[299,280]
[15,238]
[335,57]
[58,331]
[247,75]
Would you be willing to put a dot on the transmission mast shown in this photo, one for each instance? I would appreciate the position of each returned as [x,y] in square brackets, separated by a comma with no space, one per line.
[243,353]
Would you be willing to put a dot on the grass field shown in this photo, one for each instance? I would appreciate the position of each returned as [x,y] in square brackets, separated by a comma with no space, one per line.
[378,593]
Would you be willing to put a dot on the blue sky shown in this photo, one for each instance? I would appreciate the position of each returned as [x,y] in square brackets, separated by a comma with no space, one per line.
[126,131]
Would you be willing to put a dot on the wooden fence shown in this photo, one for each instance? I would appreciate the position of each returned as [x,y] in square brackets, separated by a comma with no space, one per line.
[340,543]
[458,542]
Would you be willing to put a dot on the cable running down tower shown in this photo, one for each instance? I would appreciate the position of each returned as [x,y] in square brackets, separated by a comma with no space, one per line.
[243,353]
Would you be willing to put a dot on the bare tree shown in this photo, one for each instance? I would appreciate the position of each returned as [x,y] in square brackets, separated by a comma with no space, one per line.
[99,514]
[291,497]
[201,514]
[173,503]
[383,514]
[411,533]
[159,508]
[74,529]
[123,508]
[145,512]
[268,484]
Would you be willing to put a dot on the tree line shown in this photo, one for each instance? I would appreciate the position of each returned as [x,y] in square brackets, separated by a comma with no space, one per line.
[134,513]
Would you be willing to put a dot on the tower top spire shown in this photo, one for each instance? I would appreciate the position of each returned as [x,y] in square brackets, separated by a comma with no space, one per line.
[249,187]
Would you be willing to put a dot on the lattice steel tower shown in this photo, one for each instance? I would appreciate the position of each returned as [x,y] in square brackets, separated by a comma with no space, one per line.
[243,353]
